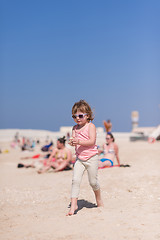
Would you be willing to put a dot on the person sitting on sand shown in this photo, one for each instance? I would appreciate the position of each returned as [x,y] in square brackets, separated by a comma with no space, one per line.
[110,150]
[59,159]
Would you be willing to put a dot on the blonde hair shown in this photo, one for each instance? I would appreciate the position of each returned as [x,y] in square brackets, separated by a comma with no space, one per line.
[83,107]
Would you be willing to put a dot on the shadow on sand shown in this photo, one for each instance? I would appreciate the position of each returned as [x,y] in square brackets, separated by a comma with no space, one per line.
[84,204]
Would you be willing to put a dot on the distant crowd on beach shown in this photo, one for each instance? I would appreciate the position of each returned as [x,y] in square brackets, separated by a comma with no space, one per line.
[24,143]
[62,157]
[78,152]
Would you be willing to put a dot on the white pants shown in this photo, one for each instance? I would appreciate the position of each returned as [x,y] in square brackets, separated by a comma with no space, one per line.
[91,165]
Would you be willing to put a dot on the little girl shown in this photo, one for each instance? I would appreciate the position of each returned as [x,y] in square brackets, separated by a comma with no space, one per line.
[84,140]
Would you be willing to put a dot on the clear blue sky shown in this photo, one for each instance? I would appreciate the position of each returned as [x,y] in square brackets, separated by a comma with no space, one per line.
[56,52]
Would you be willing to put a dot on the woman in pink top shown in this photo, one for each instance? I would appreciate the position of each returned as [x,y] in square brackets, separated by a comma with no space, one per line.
[84,140]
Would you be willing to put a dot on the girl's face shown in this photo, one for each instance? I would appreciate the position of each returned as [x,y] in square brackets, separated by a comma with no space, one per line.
[80,118]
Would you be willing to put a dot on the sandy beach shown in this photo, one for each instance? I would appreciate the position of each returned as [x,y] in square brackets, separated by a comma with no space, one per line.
[34,206]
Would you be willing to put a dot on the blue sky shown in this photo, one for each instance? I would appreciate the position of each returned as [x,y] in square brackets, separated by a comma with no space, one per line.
[54,53]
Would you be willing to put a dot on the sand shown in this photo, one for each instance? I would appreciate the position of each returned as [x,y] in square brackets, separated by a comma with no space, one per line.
[34,207]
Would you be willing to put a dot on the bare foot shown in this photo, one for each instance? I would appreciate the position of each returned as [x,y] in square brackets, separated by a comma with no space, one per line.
[100,203]
[72,211]
[40,171]
[98,198]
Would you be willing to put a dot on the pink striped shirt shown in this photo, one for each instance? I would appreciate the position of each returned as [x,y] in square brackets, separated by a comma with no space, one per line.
[84,152]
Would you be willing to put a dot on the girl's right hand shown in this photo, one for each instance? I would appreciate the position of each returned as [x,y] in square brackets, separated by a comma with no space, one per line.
[71,141]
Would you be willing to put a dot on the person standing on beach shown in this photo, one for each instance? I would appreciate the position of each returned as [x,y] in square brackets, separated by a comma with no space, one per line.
[108,125]
[84,140]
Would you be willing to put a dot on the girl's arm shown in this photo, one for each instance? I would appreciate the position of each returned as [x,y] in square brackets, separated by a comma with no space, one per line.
[92,137]
[73,136]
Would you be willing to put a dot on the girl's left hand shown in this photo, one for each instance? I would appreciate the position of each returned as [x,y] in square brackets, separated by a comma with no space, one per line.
[75,141]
